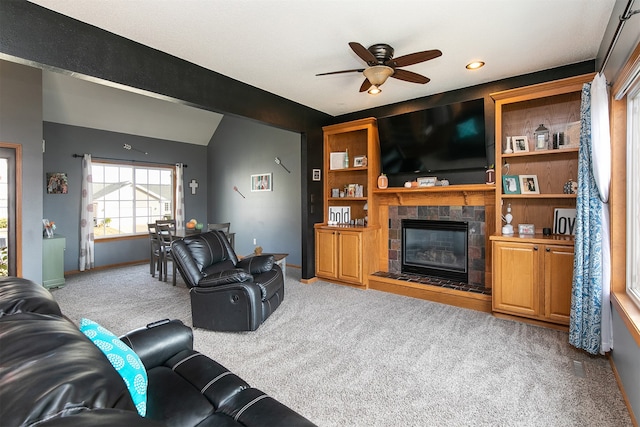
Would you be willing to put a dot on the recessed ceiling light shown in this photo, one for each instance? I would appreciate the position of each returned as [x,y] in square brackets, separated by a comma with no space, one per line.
[474,65]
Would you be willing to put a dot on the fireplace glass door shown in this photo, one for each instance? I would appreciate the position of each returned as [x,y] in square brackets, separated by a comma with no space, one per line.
[435,248]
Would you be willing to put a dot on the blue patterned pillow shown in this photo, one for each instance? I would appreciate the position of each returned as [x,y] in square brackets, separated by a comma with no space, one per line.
[123,359]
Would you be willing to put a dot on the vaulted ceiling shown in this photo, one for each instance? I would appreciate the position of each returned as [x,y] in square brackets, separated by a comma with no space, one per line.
[280,45]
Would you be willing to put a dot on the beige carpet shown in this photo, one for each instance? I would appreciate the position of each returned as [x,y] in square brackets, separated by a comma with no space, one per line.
[346,357]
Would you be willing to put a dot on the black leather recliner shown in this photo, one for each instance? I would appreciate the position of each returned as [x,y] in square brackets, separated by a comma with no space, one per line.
[227,294]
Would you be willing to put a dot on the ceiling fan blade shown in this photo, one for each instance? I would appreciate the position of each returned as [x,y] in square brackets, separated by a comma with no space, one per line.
[358,70]
[414,58]
[410,76]
[363,53]
[366,84]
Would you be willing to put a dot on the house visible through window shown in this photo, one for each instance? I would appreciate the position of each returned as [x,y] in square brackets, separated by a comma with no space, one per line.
[633,192]
[128,197]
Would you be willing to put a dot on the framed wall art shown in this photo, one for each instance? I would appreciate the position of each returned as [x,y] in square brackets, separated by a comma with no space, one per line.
[262,182]
[57,183]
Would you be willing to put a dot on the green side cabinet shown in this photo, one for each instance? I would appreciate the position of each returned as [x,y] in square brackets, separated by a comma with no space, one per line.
[53,261]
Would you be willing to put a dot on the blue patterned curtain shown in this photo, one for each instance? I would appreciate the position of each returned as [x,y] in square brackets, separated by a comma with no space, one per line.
[590,308]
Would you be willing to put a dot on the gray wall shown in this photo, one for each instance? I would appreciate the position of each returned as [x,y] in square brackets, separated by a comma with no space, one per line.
[239,149]
[21,123]
[62,141]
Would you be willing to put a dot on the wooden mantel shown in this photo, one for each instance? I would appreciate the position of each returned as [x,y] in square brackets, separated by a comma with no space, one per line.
[451,195]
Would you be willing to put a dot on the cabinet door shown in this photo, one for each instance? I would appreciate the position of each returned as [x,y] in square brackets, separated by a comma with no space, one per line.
[516,272]
[350,256]
[558,268]
[326,254]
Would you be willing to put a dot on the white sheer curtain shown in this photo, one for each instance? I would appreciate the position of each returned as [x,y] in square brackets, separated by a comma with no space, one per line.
[179,197]
[86,259]
[601,158]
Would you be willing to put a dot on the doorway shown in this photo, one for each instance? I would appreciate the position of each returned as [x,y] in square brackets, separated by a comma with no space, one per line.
[10,167]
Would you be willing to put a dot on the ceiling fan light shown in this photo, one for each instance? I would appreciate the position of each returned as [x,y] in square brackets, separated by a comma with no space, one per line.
[374,90]
[378,74]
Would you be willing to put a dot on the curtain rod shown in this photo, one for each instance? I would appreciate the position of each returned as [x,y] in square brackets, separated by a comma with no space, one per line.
[128,160]
[628,13]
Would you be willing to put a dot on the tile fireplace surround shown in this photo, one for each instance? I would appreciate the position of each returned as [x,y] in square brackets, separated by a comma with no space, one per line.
[472,203]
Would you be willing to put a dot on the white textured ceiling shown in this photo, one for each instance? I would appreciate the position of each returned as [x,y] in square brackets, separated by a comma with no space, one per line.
[280,45]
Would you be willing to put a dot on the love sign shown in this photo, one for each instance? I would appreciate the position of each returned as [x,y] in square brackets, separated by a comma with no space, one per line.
[564,221]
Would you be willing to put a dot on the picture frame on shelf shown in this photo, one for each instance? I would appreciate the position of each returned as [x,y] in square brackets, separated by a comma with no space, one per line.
[359,161]
[529,184]
[520,144]
[510,184]
[336,160]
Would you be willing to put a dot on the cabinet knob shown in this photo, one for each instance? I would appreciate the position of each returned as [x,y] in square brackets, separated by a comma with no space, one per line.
[548,249]
[535,248]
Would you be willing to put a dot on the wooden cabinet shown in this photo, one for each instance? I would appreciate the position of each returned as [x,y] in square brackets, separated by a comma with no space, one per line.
[533,278]
[345,251]
[532,274]
[344,255]
[53,261]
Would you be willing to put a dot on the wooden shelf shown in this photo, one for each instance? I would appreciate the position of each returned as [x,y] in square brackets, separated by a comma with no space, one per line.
[558,152]
[437,189]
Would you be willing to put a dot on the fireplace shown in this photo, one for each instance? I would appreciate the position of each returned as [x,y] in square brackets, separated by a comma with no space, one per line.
[435,248]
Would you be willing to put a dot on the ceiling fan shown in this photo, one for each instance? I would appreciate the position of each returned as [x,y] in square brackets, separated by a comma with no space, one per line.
[382,65]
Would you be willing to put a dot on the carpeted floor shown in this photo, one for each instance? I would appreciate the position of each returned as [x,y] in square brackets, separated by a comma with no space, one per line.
[346,357]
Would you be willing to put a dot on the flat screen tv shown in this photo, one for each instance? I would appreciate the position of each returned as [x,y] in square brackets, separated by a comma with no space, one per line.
[446,138]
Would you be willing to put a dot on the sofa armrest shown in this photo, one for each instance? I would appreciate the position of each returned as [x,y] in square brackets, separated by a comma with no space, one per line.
[257,264]
[159,341]
[226,277]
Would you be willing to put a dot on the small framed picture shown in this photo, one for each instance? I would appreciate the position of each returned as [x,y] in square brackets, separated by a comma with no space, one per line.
[359,161]
[262,182]
[520,144]
[57,183]
[317,173]
[510,184]
[529,184]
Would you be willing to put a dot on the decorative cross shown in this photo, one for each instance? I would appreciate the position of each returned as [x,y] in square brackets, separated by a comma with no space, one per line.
[193,184]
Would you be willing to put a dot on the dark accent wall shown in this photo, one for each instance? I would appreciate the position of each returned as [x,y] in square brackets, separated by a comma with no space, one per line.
[63,141]
[21,123]
[241,148]
[39,37]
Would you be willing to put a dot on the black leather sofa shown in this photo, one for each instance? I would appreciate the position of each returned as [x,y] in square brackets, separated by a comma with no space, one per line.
[51,374]
[227,294]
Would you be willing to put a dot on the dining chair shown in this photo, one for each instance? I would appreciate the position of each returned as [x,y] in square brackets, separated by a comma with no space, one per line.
[155,251]
[224,227]
[166,230]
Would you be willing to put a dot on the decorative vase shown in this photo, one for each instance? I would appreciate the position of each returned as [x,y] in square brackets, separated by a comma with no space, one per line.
[570,187]
[508,150]
[383,181]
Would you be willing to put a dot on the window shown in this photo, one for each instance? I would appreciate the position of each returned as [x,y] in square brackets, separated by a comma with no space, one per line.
[633,193]
[126,197]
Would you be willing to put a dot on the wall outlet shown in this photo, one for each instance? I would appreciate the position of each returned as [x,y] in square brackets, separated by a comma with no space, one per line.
[254,241]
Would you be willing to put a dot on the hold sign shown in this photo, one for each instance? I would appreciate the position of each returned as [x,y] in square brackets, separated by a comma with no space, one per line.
[564,221]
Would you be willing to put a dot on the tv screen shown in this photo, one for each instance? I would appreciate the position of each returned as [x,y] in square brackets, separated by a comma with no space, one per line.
[444,138]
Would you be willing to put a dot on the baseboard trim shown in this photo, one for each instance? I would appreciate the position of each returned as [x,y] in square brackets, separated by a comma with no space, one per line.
[453,297]
[107,267]
[634,420]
